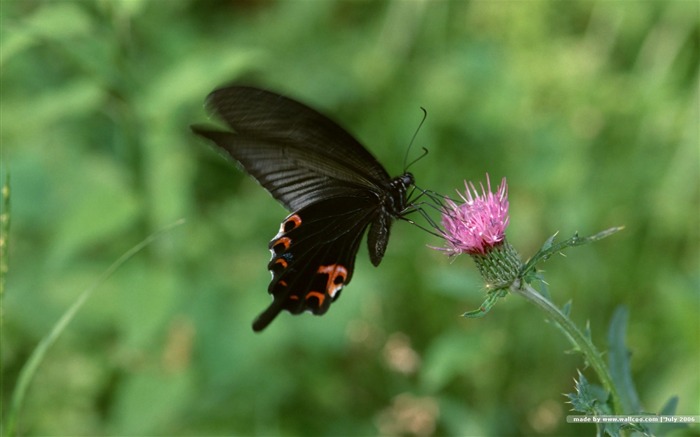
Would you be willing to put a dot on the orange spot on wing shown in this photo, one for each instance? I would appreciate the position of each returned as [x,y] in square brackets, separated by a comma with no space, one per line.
[284,241]
[320,296]
[337,274]
[291,222]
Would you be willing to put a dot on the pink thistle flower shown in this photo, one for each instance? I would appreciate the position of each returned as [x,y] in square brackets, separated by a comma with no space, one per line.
[478,224]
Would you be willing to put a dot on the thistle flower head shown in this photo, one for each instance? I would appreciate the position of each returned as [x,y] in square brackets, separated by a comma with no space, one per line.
[478,223]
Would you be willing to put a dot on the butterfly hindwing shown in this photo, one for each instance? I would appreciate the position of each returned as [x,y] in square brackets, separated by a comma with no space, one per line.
[313,255]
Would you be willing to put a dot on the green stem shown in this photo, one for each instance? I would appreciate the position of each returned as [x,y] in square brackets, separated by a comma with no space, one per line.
[578,338]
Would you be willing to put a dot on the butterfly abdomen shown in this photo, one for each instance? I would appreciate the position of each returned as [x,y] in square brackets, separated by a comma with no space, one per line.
[391,207]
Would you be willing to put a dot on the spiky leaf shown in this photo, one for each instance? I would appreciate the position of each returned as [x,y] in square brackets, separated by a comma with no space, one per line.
[618,360]
[549,248]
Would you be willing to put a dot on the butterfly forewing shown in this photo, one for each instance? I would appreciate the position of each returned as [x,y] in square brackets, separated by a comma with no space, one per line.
[289,173]
[261,114]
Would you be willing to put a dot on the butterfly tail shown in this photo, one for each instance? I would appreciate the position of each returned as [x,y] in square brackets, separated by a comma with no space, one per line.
[267,316]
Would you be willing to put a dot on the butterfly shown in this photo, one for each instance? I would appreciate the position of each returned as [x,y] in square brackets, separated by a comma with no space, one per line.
[334,188]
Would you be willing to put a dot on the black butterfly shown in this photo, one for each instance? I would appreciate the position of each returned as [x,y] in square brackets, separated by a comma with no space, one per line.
[333,185]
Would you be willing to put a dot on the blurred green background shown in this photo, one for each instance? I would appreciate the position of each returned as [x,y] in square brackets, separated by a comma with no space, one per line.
[590,109]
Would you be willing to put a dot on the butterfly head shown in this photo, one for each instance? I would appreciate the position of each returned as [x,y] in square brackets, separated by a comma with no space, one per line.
[398,188]
[407,179]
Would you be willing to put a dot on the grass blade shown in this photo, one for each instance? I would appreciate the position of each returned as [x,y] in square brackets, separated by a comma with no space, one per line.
[37,356]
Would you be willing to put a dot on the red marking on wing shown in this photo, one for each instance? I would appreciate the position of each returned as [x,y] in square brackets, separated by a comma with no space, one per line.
[320,296]
[292,222]
[336,277]
[284,241]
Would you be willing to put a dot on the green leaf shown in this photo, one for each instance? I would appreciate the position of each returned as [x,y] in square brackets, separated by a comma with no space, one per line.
[592,400]
[583,400]
[566,309]
[491,299]
[587,331]
[618,360]
[549,242]
[549,248]
[620,370]
[669,409]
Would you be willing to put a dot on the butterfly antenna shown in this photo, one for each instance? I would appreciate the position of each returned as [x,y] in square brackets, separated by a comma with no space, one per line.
[415,134]
[425,152]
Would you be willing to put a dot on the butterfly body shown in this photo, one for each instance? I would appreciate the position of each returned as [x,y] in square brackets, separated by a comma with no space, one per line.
[334,187]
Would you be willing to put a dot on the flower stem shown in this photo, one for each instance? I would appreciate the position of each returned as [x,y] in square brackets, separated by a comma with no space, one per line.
[578,338]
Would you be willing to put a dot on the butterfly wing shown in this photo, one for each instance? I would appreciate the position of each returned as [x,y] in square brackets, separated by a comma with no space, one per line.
[315,168]
[297,154]
[313,255]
